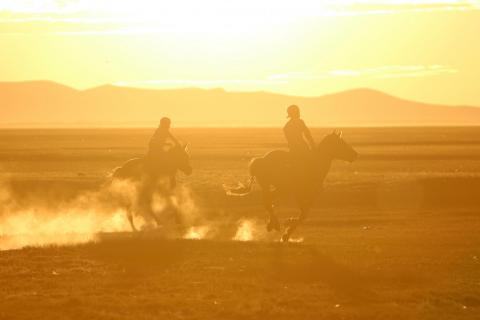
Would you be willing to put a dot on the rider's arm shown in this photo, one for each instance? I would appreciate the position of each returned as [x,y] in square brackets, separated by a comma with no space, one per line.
[173,139]
[308,136]
[153,140]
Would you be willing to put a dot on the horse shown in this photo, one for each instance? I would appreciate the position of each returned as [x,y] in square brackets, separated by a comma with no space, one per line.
[147,173]
[278,173]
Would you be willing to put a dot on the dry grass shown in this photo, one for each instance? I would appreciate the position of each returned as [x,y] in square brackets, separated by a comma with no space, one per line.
[395,236]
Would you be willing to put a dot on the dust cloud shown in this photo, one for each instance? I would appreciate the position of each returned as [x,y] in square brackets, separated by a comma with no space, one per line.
[106,210]
[249,230]
[82,219]
[76,221]
[197,232]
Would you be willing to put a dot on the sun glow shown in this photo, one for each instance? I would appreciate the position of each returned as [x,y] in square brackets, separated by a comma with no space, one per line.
[213,16]
[301,48]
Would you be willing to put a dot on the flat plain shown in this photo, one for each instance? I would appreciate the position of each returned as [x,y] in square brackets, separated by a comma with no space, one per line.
[394,235]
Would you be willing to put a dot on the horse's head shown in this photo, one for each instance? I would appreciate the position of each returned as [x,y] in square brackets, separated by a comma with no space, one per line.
[181,158]
[334,146]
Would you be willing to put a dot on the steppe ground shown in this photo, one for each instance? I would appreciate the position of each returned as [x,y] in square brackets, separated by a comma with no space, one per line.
[395,235]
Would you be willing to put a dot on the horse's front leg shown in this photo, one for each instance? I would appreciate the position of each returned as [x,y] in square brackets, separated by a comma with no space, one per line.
[179,220]
[273,223]
[145,200]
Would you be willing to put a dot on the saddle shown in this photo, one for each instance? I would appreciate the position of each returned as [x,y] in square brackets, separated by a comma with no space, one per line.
[294,159]
[299,164]
[158,162]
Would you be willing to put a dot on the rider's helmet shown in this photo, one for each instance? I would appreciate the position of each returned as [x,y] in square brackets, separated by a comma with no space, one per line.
[165,123]
[293,111]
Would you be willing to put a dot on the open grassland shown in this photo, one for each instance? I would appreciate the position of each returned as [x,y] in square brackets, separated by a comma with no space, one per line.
[395,235]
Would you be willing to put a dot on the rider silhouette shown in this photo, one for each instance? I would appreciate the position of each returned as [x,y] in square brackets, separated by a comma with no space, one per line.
[161,141]
[156,164]
[296,132]
[300,143]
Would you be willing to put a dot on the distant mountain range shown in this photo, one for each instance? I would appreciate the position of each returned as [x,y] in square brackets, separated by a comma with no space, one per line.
[44,103]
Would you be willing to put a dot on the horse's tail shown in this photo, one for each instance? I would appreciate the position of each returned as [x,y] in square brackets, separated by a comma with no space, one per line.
[115,173]
[129,170]
[241,190]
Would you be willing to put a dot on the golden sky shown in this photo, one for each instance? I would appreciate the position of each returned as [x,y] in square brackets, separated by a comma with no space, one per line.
[422,50]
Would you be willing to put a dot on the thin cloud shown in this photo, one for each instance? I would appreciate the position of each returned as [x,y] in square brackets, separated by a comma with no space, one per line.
[93,17]
[383,72]
[151,8]
[199,82]
[403,6]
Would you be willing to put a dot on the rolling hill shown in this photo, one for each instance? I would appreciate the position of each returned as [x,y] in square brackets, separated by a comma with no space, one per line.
[44,103]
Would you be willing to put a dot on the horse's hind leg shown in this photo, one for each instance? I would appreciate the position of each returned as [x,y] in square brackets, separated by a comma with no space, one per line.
[293,223]
[130,219]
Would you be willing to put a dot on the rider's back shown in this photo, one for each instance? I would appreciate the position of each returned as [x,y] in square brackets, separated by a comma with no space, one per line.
[158,157]
[294,130]
[158,141]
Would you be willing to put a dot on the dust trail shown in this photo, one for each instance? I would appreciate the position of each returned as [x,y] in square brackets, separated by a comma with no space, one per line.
[33,228]
[75,221]
[296,240]
[197,233]
[249,230]
[81,219]
[192,217]
[254,230]
[184,204]
[179,206]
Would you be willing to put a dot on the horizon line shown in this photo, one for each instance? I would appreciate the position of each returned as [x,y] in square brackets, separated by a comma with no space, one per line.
[64,126]
[229,91]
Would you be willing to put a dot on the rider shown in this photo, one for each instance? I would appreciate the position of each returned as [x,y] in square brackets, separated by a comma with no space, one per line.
[296,132]
[300,142]
[161,141]
[156,164]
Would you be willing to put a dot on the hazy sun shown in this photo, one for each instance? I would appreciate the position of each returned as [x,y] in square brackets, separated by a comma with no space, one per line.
[211,16]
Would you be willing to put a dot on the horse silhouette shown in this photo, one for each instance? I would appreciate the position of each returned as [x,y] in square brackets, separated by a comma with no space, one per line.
[175,159]
[147,173]
[279,173]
